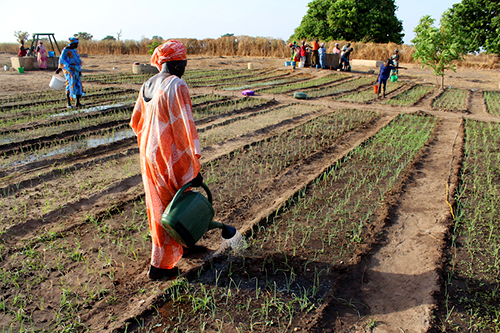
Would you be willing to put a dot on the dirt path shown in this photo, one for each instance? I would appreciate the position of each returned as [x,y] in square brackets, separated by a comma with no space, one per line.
[394,289]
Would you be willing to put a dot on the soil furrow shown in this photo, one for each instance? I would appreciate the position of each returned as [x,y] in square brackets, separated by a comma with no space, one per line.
[409,261]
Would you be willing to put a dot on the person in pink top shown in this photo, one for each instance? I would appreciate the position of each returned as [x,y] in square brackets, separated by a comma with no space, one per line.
[41,57]
[336,48]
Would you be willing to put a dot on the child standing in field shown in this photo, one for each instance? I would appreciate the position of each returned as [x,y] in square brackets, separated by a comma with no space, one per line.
[385,72]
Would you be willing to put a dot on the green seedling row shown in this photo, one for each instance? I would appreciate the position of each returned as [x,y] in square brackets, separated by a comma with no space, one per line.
[368,94]
[492,99]
[410,96]
[262,161]
[452,99]
[221,76]
[303,85]
[121,78]
[201,112]
[199,100]
[252,122]
[285,271]
[90,140]
[254,79]
[31,105]
[278,81]
[65,146]
[76,124]
[340,87]
[473,276]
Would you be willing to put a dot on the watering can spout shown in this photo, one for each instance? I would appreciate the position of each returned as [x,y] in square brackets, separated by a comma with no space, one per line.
[227,230]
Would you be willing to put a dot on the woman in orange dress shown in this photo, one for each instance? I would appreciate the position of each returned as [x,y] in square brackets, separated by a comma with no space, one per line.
[169,148]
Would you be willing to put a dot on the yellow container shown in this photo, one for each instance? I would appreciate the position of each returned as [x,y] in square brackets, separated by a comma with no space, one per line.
[250,65]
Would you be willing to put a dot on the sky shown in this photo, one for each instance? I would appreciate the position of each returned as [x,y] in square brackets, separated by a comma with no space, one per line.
[198,19]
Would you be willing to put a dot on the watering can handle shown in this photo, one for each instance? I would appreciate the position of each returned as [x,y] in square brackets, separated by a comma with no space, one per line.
[185,187]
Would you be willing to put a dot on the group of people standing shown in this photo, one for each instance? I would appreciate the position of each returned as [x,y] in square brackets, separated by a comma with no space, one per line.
[41,54]
[318,54]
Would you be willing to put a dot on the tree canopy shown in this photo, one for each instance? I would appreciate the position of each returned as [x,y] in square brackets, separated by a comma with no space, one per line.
[353,20]
[21,35]
[437,47]
[83,36]
[478,21]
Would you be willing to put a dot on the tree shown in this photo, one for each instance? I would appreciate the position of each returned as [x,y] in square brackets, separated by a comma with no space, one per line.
[21,35]
[156,37]
[83,36]
[353,20]
[109,37]
[437,47]
[479,22]
[119,34]
[228,35]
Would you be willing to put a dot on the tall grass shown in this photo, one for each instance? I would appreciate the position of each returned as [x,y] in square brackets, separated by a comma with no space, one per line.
[258,47]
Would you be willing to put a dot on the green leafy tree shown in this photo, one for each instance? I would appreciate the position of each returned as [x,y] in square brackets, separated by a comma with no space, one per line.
[153,46]
[83,36]
[354,20]
[479,22]
[21,35]
[109,37]
[436,47]
[156,37]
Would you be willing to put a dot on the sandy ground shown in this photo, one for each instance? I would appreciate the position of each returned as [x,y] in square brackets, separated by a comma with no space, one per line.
[13,82]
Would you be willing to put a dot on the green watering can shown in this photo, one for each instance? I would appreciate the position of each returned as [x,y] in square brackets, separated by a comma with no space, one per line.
[189,215]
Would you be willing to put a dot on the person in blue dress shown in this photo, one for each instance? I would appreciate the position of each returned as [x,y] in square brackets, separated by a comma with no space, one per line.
[385,72]
[71,65]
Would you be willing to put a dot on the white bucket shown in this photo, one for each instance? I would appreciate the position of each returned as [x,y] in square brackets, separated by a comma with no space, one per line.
[57,82]
[5,68]
[250,65]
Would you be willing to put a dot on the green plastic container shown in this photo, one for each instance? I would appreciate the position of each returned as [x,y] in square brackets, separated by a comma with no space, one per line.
[299,95]
[20,70]
[394,78]
[189,215]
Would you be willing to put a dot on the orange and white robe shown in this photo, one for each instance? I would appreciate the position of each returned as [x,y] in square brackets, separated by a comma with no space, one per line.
[169,153]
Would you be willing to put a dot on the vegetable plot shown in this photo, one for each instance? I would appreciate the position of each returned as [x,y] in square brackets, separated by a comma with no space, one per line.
[292,261]
[473,271]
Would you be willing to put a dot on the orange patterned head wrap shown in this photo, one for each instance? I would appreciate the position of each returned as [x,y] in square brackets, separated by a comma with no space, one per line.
[171,50]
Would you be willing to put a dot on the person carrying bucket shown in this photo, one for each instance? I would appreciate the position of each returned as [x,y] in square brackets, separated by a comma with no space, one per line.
[169,149]
[385,72]
[71,65]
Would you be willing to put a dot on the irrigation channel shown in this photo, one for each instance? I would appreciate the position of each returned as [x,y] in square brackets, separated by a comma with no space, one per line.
[356,214]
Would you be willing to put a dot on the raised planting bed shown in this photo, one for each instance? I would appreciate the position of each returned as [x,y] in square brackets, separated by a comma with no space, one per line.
[492,99]
[303,85]
[411,96]
[344,86]
[472,278]
[453,99]
[366,95]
